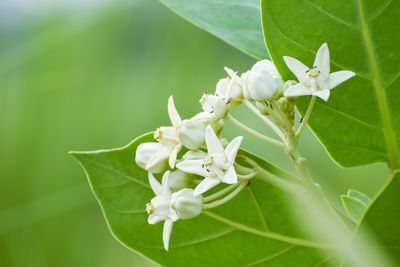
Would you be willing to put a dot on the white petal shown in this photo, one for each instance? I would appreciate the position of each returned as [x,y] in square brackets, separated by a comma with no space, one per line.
[298,68]
[323,94]
[322,59]
[154,218]
[173,215]
[159,157]
[165,186]
[297,90]
[167,232]
[230,72]
[154,184]
[205,185]
[232,149]
[173,155]
[192,166]
[203,116]
[230,176]
[214,146]
[173,113]
[338,77]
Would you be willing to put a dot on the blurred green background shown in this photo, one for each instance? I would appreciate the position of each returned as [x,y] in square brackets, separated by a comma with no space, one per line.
[92,75]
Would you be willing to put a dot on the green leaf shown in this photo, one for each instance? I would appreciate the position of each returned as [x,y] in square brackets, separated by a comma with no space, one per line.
[360,123]
[354,207]
[359,196]
[382,219]
[262,233]
[234,21]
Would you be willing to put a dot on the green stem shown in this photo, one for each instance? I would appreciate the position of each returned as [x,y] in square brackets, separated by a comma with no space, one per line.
[247,176]
[265,119]
[306,116]
[280,183]
[220,193]
[280,116]
[253,132]
[225,199]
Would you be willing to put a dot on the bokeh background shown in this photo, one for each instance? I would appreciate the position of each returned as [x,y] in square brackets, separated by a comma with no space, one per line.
[86,75]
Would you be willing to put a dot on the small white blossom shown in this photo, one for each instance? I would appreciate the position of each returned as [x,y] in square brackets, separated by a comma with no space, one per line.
[230,88]
[262,82]
[215,108]
[170,207]
[317,80]
[159,207]
[154,156]
[216,166]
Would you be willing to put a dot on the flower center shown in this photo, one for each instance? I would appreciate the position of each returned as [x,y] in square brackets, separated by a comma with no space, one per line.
[149,208]
[203,99]
[313,72]
[158,134]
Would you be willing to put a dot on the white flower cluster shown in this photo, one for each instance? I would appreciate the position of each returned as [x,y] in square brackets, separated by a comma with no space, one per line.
[193,147]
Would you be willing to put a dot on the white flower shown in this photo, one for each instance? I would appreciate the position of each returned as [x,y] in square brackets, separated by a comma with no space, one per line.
[262,82]
[230,88]
[317,80]
[159,208]
[216,166]
[215,108]
[154,156]
[171,207]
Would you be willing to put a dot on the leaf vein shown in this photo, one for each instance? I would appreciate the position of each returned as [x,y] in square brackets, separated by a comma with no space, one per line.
[349,116]
[273,256]
[258,208]
[206,238]
[269,235]
[380,92]
[332,16]
[379,11]
[117,172]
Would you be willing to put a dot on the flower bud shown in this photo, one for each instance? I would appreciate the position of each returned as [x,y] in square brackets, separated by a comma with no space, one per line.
[288,84]
[178,180]
[194,155]
[147,151]
[191,133]
[185,204]
[262,82]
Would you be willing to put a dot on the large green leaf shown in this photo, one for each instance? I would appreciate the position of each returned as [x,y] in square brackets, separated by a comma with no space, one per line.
[382,219]
[254,229]
[234,21]
[360,123]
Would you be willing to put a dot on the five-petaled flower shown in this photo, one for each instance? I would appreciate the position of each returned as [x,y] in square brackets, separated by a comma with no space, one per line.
[154,156]
[317,80]
[216,166]
[170,207]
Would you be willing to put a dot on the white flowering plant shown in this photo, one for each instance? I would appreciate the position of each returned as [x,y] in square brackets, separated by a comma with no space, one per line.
[184,195]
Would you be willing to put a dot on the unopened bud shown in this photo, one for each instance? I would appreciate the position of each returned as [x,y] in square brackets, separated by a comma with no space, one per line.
[179,180]
[147,151]
[185,204]
[262,82]
[191,133]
